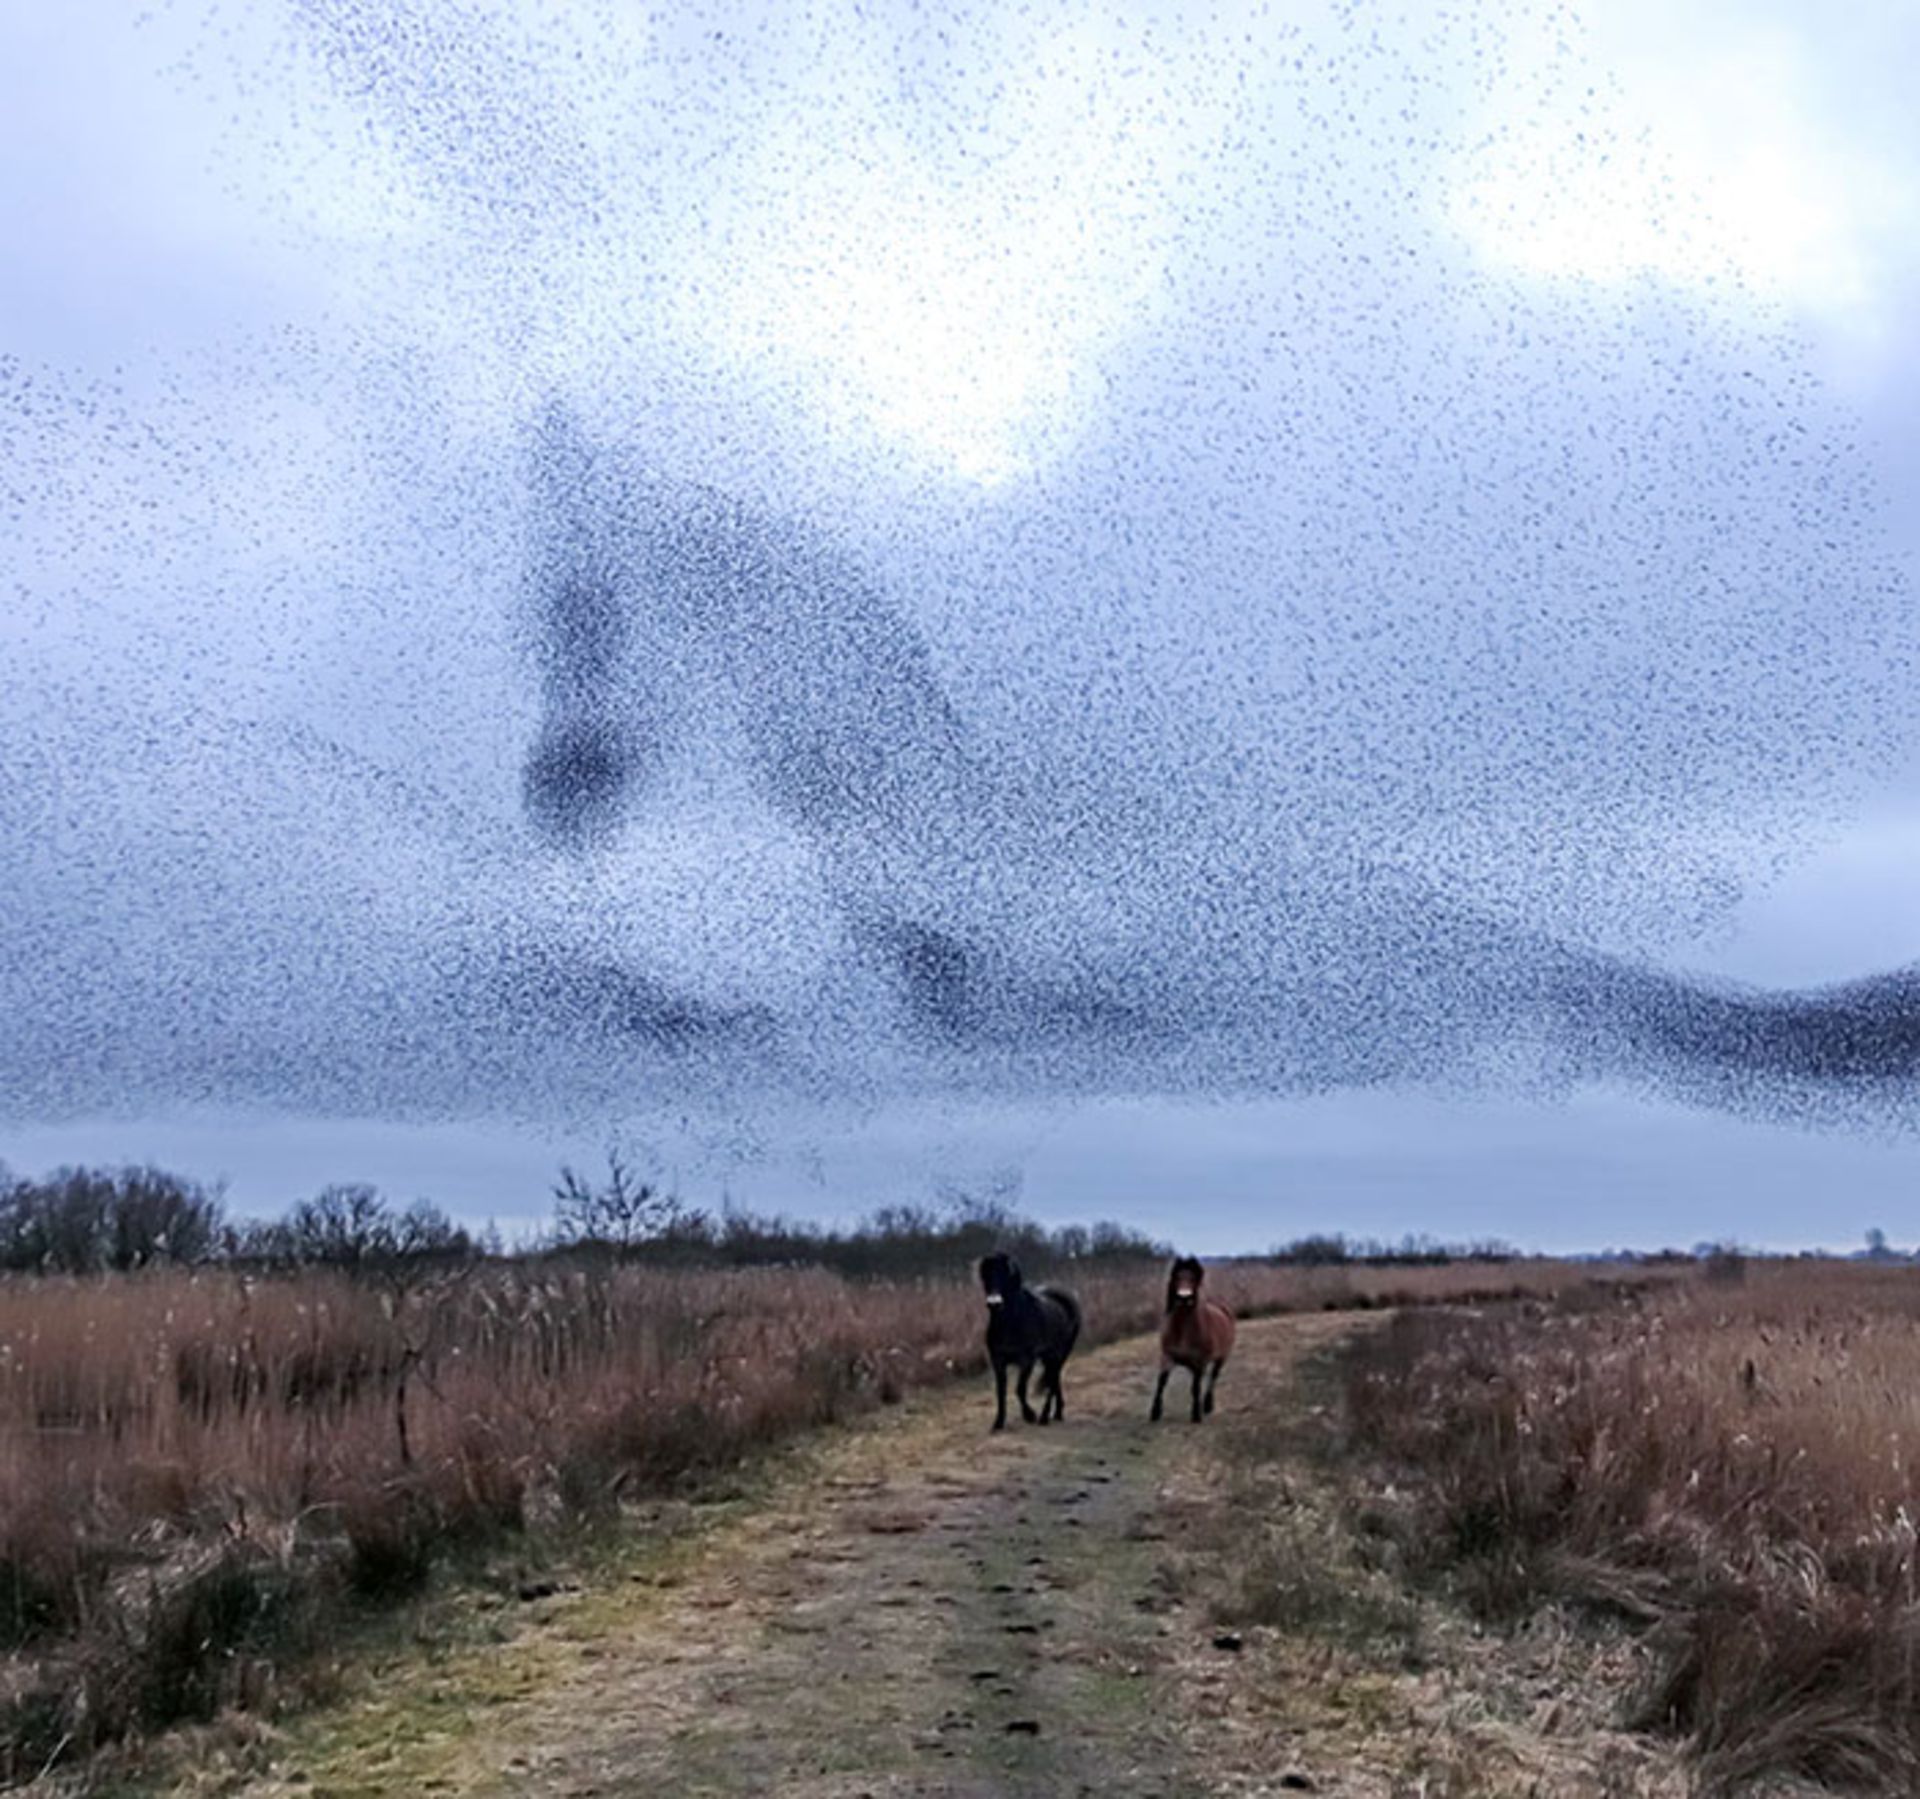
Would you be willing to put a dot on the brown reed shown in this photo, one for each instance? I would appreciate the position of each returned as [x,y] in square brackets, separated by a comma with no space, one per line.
[1728,1465]
[204,1470]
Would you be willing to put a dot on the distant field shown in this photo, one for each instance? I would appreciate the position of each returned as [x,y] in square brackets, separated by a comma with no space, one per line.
[1728,1466]
[204,1471]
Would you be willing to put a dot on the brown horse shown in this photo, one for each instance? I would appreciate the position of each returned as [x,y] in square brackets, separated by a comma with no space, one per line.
[1196,1334]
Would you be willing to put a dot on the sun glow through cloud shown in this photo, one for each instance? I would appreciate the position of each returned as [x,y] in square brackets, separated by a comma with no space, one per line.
[954,305]
[1705,165]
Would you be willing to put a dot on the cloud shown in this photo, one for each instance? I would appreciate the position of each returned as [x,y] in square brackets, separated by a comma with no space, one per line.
[1709,158]
[561,677]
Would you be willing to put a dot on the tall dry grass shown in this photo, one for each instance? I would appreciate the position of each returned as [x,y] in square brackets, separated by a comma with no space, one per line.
[1730,1465]
[203,1471]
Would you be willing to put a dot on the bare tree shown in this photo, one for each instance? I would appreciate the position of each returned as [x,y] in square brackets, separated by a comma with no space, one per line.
[622,1211]
[347,1225]
[84,1220]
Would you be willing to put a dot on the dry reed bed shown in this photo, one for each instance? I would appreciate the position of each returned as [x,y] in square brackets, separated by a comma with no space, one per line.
[1730,1466]
[202,1470]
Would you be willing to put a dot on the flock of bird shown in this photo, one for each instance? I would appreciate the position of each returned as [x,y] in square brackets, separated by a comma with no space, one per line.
[486,692]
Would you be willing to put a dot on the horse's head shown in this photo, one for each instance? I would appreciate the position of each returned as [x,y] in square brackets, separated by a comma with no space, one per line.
[1000,1276]
[1183,1283]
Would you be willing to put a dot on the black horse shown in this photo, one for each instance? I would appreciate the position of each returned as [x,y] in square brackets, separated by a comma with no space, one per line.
[1027,1325]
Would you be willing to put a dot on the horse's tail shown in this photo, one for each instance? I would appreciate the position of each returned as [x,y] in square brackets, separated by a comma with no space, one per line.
[1071,1306]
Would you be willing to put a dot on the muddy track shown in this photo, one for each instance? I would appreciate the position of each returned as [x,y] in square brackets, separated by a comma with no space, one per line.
[920,1607]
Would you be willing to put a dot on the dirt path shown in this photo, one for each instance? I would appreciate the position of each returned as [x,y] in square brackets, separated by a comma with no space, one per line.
[922,1608]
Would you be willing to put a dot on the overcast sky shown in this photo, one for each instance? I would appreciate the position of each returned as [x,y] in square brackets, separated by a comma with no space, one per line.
[1213,614]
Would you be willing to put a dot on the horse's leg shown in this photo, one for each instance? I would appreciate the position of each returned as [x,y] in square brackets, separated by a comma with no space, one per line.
[1049,1389]
[1198,1369]
[1059,1398]
[1026,1406]
[1000,1393]
[1213,1380]
[1160,1391]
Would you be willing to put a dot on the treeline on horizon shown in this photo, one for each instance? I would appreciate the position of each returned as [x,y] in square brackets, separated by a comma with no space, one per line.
[79,1221]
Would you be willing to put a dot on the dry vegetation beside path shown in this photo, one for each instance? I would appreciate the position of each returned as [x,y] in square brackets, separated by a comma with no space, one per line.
[207,1474]
[1728,1468]
[1639,1540]
[912,1606]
